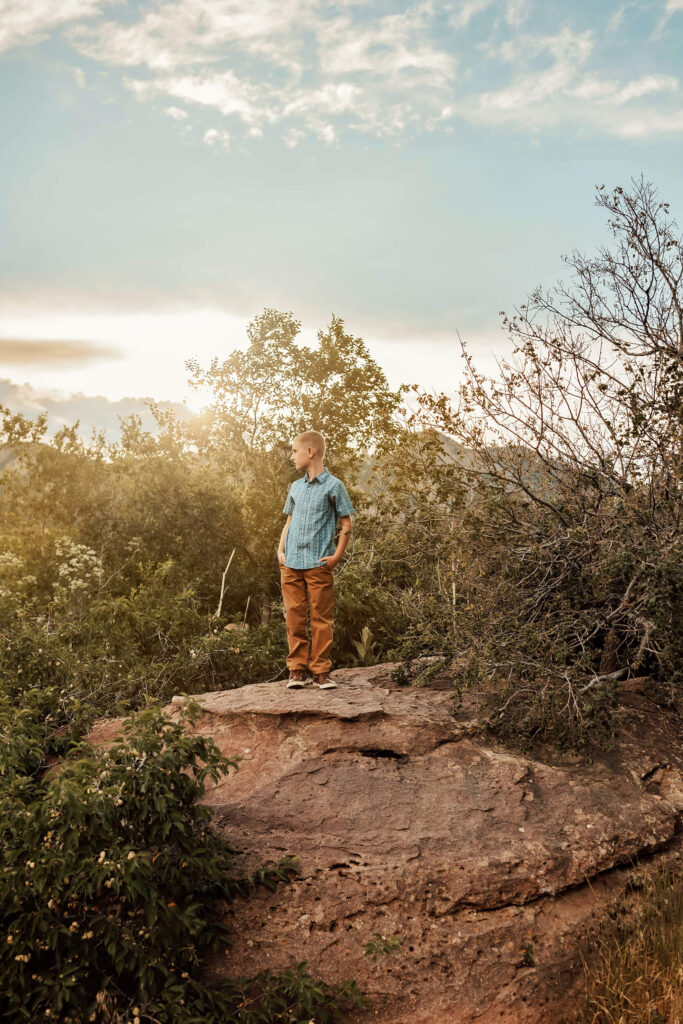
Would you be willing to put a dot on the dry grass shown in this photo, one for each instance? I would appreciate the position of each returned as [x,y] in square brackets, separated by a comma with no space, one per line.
[634,968]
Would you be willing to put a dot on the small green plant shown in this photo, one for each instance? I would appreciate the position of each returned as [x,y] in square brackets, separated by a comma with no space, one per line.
[381,946]
[529,954]
[400,674]
[365,647]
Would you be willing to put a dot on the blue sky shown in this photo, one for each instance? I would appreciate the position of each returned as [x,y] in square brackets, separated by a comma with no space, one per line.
[171,168]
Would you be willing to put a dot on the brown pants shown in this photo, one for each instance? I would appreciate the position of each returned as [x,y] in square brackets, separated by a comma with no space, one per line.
[312,588]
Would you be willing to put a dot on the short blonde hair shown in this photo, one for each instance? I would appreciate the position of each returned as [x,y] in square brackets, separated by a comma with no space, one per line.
[312,439]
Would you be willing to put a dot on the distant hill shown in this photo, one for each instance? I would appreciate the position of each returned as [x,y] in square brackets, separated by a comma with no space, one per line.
[93,411]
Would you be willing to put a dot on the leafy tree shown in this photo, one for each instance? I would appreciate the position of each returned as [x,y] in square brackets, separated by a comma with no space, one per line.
[265,395]
[276,389]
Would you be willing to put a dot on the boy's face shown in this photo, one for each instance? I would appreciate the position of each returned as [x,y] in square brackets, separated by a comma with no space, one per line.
[300,456]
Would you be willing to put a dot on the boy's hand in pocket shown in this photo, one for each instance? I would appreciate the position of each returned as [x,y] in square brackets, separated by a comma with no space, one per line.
[328,560]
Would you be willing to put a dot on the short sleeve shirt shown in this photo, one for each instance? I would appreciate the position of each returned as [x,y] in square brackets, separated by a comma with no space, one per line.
[314,505]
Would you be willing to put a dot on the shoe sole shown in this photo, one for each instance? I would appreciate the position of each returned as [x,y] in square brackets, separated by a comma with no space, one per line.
[297,685]
[327,686]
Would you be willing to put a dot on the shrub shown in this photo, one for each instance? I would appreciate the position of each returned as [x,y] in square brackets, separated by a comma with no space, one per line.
[114,882]
[118,655]
[565,552]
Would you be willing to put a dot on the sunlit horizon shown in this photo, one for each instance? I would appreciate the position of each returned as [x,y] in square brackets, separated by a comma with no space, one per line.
[146,353]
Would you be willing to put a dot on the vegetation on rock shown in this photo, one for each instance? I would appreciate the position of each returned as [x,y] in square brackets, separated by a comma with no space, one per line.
[114,884]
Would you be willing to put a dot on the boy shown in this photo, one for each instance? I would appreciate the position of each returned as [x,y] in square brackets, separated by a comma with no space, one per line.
[307,556]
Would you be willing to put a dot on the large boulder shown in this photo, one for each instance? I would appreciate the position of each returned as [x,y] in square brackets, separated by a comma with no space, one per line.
[408,820]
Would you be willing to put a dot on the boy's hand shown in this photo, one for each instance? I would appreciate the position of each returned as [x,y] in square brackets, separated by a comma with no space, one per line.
[329,560]
[281,557]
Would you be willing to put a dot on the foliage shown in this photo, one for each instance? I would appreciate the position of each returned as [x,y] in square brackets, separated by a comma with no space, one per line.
[113,554]
[529,954]
[365,647]
[379,945]
[566,546]
[262,397]
[527,534]
[632,966]
[265,395]
[114,882]
[123,651]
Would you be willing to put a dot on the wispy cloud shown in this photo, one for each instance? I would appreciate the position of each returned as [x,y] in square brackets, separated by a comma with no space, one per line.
[220,91]
[563,91]
[386,48]
[308,68]
[57,353]
[365,72]
[616,20]
[462,12]
[217,136]
[177,113]
[30,21]
[179,33]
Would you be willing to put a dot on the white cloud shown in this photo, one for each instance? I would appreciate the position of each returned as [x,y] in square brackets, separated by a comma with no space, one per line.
[398,73]
[179,33]
[526,99]
[565,92]
[308,67]
[293,137]
[645,125]
[463,11]
[615,21]
[221,91]
[398,78]
[388,47]
[217,136]
[645,86]
[329,100]
[517,11]
[24,22]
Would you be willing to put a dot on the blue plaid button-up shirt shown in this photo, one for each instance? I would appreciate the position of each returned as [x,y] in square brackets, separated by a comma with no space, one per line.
[314,505]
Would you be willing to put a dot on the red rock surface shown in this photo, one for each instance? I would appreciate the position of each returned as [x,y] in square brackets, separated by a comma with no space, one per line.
[408,821]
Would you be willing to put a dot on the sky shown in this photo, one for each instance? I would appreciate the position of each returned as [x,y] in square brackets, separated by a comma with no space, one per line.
[170,168]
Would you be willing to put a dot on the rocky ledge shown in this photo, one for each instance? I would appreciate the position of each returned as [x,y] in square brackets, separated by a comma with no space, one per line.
[408,820]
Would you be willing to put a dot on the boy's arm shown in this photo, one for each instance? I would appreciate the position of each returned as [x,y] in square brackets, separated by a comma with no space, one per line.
[332,560]
[281,545]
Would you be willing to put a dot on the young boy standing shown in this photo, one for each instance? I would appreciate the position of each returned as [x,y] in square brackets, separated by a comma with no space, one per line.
[307,556]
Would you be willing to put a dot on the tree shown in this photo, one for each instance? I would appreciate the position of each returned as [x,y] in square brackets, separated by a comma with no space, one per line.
[575,473]
[275,389]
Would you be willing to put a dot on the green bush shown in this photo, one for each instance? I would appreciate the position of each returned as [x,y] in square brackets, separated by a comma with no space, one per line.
[116,658]
[114,884]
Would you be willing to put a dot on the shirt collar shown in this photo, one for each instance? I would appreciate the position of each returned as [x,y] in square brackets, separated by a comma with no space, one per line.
[321,475]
